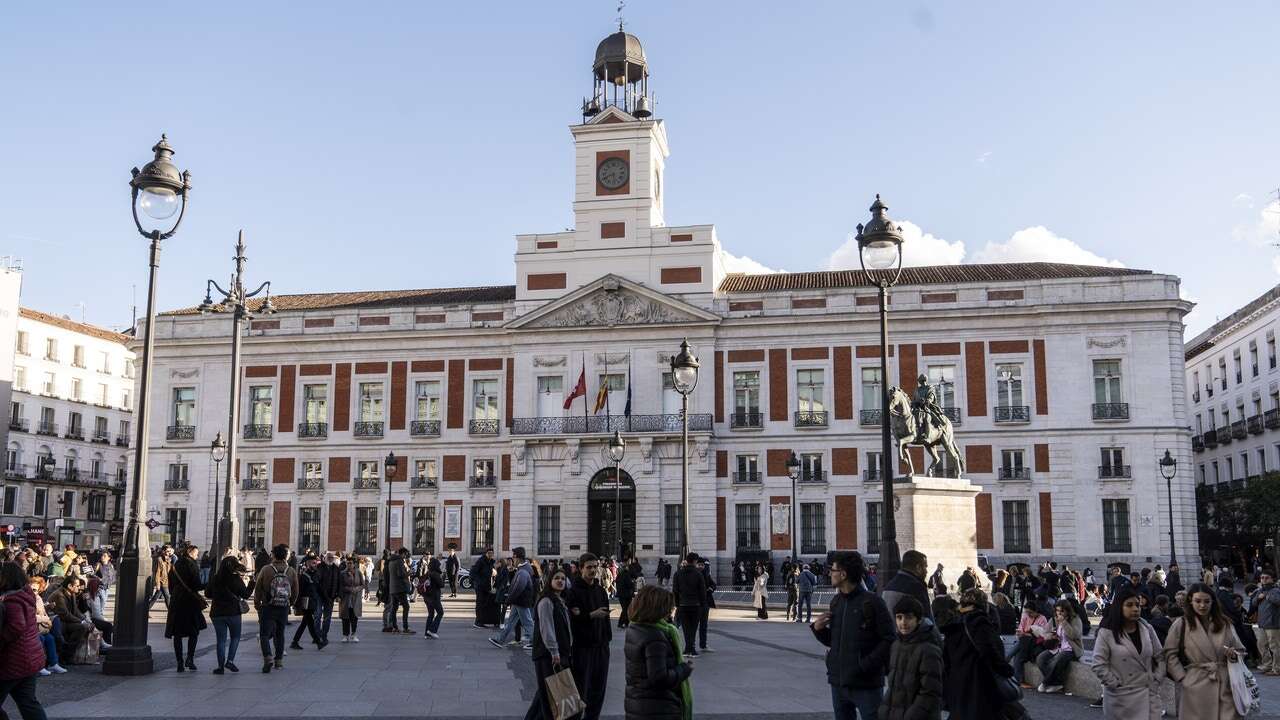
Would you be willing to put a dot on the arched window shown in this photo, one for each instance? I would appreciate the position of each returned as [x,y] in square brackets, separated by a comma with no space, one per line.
[96,467]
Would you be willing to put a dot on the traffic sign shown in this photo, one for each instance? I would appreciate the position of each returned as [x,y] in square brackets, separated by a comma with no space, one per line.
[152,524]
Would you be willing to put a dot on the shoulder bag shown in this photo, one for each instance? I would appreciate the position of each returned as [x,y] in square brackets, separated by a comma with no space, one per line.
[200,601]
[1007,689]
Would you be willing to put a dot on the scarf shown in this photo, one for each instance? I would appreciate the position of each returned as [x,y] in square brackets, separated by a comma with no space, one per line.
[673,636]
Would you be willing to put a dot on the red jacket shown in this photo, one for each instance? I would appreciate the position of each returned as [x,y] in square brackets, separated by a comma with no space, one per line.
[21,654]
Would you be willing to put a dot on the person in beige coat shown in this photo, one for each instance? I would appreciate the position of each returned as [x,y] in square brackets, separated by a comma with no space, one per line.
[351,602]
[1196,652]
[1129,661]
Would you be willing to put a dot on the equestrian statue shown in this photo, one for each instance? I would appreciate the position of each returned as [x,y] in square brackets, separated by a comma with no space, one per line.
[918,420]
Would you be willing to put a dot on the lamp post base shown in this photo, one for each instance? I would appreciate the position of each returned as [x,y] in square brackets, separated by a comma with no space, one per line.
[131,655]
[128,661]
[226,535]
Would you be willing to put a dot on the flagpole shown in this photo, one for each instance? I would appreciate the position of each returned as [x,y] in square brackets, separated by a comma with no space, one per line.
[586,422]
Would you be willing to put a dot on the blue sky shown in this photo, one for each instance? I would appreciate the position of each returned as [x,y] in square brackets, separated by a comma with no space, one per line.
[382,145]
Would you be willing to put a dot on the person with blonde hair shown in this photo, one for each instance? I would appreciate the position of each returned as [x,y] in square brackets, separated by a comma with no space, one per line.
[657,671]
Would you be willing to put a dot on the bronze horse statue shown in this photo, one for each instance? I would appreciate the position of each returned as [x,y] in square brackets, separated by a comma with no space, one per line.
[903,425]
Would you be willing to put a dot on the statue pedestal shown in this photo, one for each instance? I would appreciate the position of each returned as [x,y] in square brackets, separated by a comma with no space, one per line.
[936,516]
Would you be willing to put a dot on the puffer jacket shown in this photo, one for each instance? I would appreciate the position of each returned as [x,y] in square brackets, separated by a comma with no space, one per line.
[915,676]
[21,653]
[653,676]
[858,639]
[1267,602]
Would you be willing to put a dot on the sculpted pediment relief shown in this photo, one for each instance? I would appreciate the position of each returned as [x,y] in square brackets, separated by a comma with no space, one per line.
[605,308]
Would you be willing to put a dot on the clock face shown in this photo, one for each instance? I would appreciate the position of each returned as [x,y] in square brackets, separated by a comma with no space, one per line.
[613,173]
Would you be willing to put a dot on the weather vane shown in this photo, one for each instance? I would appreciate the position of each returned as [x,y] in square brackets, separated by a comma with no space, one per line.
[621,4]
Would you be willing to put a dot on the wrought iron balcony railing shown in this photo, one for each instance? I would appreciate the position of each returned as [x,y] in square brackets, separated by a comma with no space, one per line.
[75,432]
[812,476]
[871,474]
[1197,443]
[1224,434]
[18,424]
[953,414]
[418,482]
[1271,418]
[746,420]
[310,483]
[1013,413]
[484,427]
[257,432]
[16,471]
[313,430]
[1014,474]
[869,417]
[365,483]
[259,483]
[1111,411]
[101,436]
[599,424]
[176,484]
[1255,425]
[482,481]
[47,428]
[810,418]
[746,478]
[181,432]
[1211,438]
[367,428]
[1107,472]
[122,440]
[1239,430]
[424,428]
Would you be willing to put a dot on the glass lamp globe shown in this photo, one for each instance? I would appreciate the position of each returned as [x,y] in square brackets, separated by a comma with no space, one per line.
[159,203]
[685,378]
[880,256]
[616,447]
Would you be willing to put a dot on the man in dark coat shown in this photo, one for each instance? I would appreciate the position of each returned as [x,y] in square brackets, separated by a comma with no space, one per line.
[588,605]
[709,601]
[973,657]
[690,589]
[909,582]
[329,585]
[451,566]
[626,589]
[858,633]
[1173,581]
[487,614]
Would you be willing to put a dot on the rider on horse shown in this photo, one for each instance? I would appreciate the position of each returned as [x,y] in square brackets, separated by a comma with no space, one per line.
[924,405]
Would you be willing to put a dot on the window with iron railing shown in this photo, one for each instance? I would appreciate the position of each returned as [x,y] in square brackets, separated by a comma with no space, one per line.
[747,524]
[1115,526]
[871,392]
[671,529]
[482,527]
[873,527]
[308,530]
[255,528]
[813,528]
[746,399]
[366,535]
[1017,526]
[371,402]
[315,401]
[427,400]
[424,530]
[548,529]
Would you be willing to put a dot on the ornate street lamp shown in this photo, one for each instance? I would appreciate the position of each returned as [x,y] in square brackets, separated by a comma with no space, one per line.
[217,452]
[233,300]
[391,464]
[684,376]
[880,254]
[1168,469]
[160,191]
[793,471]
[617,448]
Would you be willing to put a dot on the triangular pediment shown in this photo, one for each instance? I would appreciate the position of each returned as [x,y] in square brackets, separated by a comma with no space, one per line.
[613,301]
[611,114]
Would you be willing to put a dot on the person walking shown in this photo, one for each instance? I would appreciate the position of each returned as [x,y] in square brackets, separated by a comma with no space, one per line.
[915,666]
[22,656]
[1266,603]
[708,603]
[308,604]
[161,566]
[790,574]
[858,633]
[451,566]
[186,607]
[663,573]
[806,582]
[760,595]
[399,585]
[431,585]
[274,591]
[1196,653]
[552,643]
[588,605]
[1063,647]
[521,595]
[626,585]
[351,601]
[329,587]
[690,591]
[656,670]
[482,572]
[973,658]
[1128,660]
[226,590]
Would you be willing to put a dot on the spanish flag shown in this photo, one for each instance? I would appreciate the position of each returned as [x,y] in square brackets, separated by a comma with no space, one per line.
[602,396]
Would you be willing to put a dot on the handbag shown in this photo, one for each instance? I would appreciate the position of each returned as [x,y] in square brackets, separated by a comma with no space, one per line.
[1244,688]
[200,601]
[1007,689]
[565,700]
[87,651]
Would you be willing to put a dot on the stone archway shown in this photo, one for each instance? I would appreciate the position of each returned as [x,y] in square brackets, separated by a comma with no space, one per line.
[611,503]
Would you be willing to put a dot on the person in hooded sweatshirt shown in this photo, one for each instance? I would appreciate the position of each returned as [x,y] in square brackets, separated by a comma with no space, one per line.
[915,666]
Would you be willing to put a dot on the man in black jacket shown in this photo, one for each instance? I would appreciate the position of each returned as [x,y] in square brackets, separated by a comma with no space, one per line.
[329,581]
[858,632]
[690,589]
[909,582]
[451,566]
[588,605]
[709,601]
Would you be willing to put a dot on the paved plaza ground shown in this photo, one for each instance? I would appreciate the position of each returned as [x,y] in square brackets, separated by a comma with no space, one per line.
[760,669]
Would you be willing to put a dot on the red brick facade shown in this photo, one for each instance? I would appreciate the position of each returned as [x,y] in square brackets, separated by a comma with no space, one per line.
[342,397]
[337,524]
[975,379]
[842,366]
[1046,520]
[778,410]
[985,533]
[846,522]
[288,382]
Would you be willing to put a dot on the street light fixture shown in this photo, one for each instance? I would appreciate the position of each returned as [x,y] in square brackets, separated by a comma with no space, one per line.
[234,300]
[1168,469]
[684,376]
[617,448]
[160,191]
[217,452]
[880,254]
[793,471]
[391,464]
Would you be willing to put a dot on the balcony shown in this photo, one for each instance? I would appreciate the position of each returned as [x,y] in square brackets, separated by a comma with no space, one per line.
[181,432]
[419,482]
[15,471]
[311,483]
[869,417]
[1239,430]
[810,418]
[424,428]
[47,428]
[122,440]
[953,414]
[1114,472]
[259,483]
[1013,413]
[1271,419]
[1211,438]
[1195,396]
[746,478]
[18,425]
[746,420]
[101,436]
[1237,484]
[69,475]
[482,481]
[1015,474]
[313,430]
[1197,443]
[1255,425]
[257,432]
[175,484]
[46,471]
[871,475]
[1224,435]
[812,476]
[75,432]
[367,428]
[95,480]
[1111,411]
[578,425]
[483,427]
[365,483]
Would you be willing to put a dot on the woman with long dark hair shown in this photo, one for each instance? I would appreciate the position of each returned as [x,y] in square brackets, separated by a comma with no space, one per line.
[1199,646]
[355,588]
[552,642]
[1128,660]
[1063,647]
[226,590]
[186,608]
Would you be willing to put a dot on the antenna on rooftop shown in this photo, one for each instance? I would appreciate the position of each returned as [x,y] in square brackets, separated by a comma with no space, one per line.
[82,307]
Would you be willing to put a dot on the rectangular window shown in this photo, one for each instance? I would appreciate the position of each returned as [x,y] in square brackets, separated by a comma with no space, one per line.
[871,388]
[366,537]
[126,400]
[1011,459]
[748,526]
[11,460]
[1009,385]
[184,406]
[1222,371]
[315,399]
[97,511]
[1115,526]
[1112,460]
[548,529]
[813,528]
[1106,381]
[175,525]
[1017,527]
[746,392]
[42,502]
[1253,357]
[77,356]
[1262,461]
[20,378]
[811,467]
[550,395]
[809,391]
[104,394]
[1235,363]
[1244,465]
[75,423]
[178,477]
[308,530]
[104,362]
[748,468]
[23,347]
[128,369]
[1231,468]
[943,379]
[313,471]
[50,385]
[95,468]
[51,349]
[77,389]
[1271,351]
[424,473]
[67,505]
[255,528]
[370,402]
[367,470]
[481,528]
[260,404]
[873,527]
[427,400]
[11,500]
[124,433]
[874,465]
[424,530]
[671,533]
[485,396]
[483,468]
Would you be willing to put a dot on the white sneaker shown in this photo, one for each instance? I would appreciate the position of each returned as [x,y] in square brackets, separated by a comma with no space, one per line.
[57,669]
[346,638]
[433,635]
[44,672]
[104,645]
[1040,688]
[355,639]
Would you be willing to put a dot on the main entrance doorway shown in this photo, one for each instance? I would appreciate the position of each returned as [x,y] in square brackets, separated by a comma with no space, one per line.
[611,503]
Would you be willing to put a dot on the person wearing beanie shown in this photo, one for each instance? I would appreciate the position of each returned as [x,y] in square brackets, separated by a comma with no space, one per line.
[915,666]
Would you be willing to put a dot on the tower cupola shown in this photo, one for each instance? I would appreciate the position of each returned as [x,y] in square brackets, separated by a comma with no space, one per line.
[620,77]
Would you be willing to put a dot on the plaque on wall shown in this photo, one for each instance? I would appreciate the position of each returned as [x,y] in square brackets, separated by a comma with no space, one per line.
[453,521]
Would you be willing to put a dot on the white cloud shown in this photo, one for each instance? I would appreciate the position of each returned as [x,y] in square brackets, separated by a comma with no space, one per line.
[1264,231]
[982,159]
[1040,244]
[919,248]
[1243,200]
[734,264]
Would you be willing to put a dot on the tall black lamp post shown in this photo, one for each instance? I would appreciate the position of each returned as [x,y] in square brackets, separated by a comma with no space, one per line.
[391,464]
[793,471]
[617,448]
[217,452]
[233,300]
[880,253]
[1168,469]
[684,376]
[160,192]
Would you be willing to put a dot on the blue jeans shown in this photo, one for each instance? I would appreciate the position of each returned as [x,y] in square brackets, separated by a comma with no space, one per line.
[50,649]
[326,618]
[855,703]
[435,613]
[806,604]
[522,615]
[224,625]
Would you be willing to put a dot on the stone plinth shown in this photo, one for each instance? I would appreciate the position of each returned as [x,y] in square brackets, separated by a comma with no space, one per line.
[936,516]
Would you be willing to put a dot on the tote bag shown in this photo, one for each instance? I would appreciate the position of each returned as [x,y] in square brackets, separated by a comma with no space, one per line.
[565,701]
[1244,688]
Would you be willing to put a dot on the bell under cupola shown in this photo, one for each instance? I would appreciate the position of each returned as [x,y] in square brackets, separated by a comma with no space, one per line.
[619,78]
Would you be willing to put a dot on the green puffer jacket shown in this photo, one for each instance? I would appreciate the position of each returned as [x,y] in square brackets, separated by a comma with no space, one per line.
[915,676]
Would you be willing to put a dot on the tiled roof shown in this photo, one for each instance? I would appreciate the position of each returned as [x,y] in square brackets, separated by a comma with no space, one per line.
[379,298]
[1205,340]
[73,326]
[925,275]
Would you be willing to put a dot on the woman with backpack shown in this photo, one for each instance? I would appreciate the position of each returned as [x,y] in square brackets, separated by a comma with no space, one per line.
[429,586]
[351,603]
[227,593]
[22,656]
[552,642]
[186,609]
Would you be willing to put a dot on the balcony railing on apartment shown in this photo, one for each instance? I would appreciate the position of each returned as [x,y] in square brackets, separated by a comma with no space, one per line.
[176,484]
[424,428]
[365,483]
[18,424]
[310,483]
[1110,472]
[101,436]
[1111,411]
[1211,438]
[746,420]
[953,414]
[1224,435]
[253,483]
[367,428]
[746,478]
[599,424]
[812,476]
[482,481]
[871,474]
[418,482]
[869,417]
[181,432]
[1239,430]
[1015,474]
[1013,413]
[257,432]
[810,418]
[1197,443]
[1255,425]
[47,428]
[1195,396]
[313,430]
[483,427]
[75,432]
[122,440]
[1271,418]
